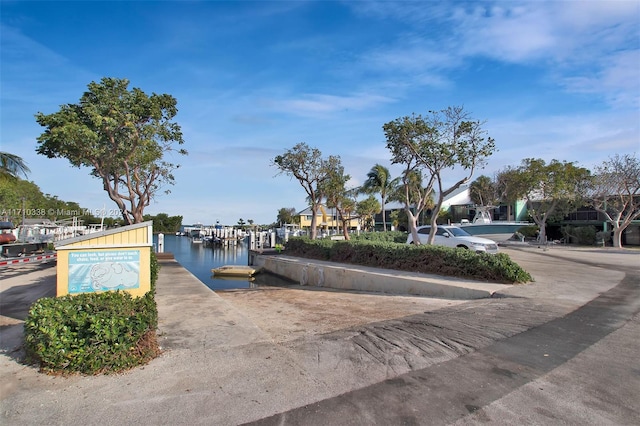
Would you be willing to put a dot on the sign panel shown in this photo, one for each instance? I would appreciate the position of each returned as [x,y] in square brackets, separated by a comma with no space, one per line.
[91,271]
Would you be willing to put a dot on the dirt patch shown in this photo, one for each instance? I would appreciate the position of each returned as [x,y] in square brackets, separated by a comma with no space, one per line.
[287,313]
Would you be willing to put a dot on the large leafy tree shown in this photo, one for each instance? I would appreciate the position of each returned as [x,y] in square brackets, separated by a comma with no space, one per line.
[508,187]
[12,166]
[162,222]
[18,196]
[615,192]
[483,191]
[551,190]
[412,192]
[307,165]
[416,197]
[287,215]
[122,135]
[440,141]
[21,199]
[366,209]
[379,181]
[338,197]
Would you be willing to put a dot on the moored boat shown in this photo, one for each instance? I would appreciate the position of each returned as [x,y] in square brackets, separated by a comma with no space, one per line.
[6,234]
[483,226]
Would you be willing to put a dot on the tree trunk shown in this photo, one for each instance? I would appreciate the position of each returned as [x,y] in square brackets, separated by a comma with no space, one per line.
[345,230]
[434,219]
[434,228]
[412,221]
[543,232]
[617,237]
[384,220]
[314,226]
[126,217]
[343,221]
[116,198]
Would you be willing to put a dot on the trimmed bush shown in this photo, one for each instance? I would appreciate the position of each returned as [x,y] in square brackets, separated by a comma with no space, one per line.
[313,249]
[428,259]
[93,333]
[390,236]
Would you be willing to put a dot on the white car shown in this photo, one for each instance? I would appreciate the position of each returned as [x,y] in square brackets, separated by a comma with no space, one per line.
[452,236]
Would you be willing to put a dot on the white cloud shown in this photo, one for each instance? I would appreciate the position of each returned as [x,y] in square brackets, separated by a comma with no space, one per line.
[512,34]
[572,91]
[618,80]
[586,139]
[321,104]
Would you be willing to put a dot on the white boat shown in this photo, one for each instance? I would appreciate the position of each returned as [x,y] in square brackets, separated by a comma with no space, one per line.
[484,226]
[197,236]
[289,230]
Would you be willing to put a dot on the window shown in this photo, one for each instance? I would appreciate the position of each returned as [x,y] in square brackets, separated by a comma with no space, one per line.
[424,230]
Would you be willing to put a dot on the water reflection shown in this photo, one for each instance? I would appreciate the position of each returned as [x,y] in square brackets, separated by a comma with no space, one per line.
[199,260]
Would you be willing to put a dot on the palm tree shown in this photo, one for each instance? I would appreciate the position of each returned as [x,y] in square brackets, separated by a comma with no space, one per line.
[11,165]
[379,182]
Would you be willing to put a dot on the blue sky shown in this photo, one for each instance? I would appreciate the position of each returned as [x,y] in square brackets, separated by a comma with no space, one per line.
[553,80]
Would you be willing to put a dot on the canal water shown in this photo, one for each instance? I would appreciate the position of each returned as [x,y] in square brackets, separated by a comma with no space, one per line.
[199,260]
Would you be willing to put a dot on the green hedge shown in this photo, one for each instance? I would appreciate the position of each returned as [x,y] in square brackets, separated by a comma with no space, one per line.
[390,236]
[428,259]
[93,333]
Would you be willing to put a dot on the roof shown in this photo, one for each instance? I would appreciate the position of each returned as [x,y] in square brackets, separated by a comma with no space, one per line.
[93,235]
[39,222]
[459,196]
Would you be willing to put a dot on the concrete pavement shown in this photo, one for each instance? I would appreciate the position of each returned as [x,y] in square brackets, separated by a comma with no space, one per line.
[563,348]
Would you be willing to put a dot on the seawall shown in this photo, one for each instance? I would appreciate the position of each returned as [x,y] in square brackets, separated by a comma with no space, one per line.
[362,278]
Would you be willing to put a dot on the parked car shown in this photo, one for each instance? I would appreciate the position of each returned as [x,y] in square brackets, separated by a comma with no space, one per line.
[452,236]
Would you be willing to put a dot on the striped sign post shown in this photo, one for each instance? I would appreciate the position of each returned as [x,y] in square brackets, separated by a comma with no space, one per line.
[28,259]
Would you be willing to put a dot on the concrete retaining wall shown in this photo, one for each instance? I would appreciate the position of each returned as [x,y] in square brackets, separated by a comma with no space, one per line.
[351,277]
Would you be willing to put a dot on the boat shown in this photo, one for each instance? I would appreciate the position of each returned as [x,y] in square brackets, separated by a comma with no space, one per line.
[289,230]
[6,234]
[235,271]
[197,236]
[7,237]
[484,226]
[211,240]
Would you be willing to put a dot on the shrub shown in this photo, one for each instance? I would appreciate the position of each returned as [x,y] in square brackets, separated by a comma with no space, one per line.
[93,333]
[155,270]
[585,235]
[305,247]
[391,236]
[603,238]
[421,258]
[529,231]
